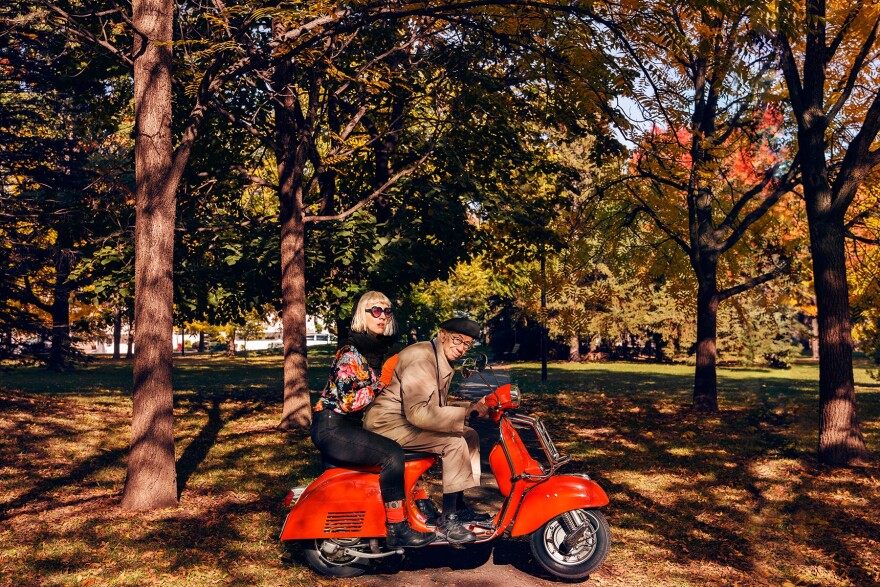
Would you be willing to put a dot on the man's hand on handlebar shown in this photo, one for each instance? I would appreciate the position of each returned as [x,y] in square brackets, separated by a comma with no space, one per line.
[478,408]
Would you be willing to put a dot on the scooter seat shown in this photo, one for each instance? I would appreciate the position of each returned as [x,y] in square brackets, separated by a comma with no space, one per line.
[414,455]
[408,455]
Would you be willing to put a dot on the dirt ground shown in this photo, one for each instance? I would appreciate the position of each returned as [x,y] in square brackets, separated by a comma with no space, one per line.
[500,564]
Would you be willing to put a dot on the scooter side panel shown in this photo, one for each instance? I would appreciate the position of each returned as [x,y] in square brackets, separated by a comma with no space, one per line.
[341,503]
[555,496]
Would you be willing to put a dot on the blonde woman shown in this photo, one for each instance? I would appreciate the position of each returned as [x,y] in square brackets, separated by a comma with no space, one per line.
[337,419]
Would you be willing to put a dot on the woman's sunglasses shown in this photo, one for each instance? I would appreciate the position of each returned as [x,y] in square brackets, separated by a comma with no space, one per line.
[376,311]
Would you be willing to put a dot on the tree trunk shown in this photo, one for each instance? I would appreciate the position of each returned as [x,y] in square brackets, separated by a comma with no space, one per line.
[60,348]
[129,352]
[230,344]
[705,376]
[840,437]
[117,332]
[151,481]
[291,157]
[657,339]
[574,348]
[201,342]
[295,412]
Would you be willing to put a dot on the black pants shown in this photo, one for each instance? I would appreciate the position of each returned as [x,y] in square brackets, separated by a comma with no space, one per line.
[343,440]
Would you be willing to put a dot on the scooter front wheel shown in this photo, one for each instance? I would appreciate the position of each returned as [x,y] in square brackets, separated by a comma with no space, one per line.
[333,556]
[572,545]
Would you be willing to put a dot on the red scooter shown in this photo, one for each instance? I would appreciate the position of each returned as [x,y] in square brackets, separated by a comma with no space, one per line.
[340,521]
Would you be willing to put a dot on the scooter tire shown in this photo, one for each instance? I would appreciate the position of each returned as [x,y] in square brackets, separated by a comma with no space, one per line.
[584,557]
[341,566]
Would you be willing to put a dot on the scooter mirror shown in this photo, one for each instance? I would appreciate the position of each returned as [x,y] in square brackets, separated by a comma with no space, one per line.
[471,365]
[468,367]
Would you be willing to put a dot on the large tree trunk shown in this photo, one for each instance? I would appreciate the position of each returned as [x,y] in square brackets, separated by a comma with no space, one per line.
[840,437]
[295,412]
[151,482]
[705,376]
[291,158]
[827,200]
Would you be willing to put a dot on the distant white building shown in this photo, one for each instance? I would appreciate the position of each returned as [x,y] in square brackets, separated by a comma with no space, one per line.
[269,338]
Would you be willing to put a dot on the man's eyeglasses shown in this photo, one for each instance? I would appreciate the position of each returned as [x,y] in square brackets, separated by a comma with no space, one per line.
[457,340]
[376,311]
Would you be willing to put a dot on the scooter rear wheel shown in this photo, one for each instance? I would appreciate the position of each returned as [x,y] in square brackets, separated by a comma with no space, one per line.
[582,553]
[327,557]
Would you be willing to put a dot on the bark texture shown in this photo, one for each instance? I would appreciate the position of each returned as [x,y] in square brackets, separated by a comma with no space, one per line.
[705,374]
[840,437]
[830,184]
[151,482]
[293,128]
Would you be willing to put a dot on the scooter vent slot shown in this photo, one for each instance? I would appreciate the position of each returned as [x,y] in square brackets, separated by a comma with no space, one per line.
[344,522]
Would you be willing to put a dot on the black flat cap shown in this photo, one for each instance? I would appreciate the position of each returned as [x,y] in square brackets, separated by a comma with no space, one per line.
[462,326]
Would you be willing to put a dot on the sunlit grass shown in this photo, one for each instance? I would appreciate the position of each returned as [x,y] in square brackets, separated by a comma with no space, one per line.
[729,499]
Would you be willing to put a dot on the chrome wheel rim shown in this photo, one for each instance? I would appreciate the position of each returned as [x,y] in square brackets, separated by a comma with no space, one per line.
[555,534]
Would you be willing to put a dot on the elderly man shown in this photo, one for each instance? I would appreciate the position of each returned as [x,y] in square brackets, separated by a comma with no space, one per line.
[413,410]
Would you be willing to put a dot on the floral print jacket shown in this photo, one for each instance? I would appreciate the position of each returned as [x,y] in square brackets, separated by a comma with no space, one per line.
[352,385]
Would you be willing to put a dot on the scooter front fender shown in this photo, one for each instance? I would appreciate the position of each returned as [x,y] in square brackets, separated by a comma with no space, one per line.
[555,496]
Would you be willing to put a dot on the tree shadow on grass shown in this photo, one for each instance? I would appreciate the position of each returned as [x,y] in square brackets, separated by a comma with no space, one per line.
[691,487]
[699,461]
[46,486]
[197,450]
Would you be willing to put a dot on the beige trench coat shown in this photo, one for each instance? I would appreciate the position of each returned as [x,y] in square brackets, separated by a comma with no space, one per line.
[413,411]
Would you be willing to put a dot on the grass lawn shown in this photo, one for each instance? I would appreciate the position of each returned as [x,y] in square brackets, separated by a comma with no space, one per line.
[732,499]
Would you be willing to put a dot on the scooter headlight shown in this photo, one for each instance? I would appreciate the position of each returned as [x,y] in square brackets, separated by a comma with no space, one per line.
[514,396]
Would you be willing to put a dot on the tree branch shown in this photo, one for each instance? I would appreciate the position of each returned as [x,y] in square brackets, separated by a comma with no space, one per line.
[751,283]
[785,185]
[75,28]
[381,190]
[855,69]
[685,246]
[792,77]
[859,159]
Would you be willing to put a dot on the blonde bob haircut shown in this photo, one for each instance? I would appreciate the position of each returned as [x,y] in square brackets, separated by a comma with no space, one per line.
[368,300]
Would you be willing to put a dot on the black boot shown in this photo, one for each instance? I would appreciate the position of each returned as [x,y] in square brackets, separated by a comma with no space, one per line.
[400,534]
[452,529]
[429,510]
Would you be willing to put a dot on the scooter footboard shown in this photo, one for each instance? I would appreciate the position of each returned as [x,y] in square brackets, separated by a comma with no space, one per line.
[555,496]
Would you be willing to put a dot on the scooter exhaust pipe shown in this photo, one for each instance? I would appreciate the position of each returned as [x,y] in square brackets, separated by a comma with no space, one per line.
[362,554]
